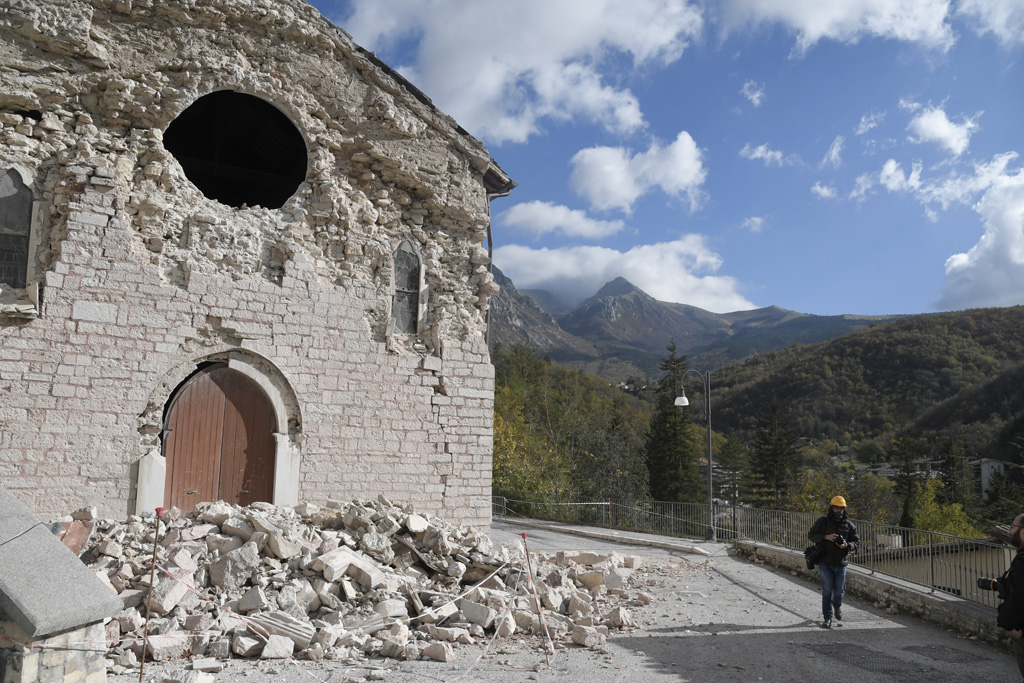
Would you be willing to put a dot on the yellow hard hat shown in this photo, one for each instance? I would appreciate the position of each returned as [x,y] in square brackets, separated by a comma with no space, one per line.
[838,501]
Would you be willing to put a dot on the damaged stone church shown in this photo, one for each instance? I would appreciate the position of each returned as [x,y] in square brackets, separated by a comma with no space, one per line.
[240,259]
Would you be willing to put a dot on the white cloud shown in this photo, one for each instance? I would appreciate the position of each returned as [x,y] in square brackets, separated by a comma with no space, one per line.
[541,218]
[1002,18]
[932,125]
[762,152]
[869,121]
[501,69]
[824,191]
[991,273]
[834,155]
[679,271]
[754,223]
[754,92]
[849,21]
[894,179]
[610,178]
[862,186]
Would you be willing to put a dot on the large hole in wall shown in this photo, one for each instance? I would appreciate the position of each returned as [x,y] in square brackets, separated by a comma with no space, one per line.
[238,149]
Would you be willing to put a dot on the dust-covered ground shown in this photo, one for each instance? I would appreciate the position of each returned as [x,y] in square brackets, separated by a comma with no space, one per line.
[711,618]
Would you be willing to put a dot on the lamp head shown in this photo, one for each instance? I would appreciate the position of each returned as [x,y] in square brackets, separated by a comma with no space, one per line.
[682,401]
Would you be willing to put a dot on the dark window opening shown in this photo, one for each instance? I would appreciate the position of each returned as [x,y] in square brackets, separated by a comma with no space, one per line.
[15,228]
[238,149]
[406,302]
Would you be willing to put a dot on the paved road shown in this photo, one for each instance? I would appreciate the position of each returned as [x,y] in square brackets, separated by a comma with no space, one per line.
[715,618]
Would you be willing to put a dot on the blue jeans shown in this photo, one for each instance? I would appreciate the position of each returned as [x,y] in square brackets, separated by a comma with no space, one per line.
[833,587]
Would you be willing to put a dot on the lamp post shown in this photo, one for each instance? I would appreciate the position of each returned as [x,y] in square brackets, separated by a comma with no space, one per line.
[682,401]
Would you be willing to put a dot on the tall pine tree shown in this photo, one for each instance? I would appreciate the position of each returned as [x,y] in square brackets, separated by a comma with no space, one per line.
[773,458]
[670,448]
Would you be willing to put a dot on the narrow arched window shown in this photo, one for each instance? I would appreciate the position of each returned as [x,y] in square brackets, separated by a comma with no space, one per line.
[405,304]
[15,228]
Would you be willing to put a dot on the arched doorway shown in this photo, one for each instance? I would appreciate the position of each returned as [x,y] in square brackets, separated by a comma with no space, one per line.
[218,440]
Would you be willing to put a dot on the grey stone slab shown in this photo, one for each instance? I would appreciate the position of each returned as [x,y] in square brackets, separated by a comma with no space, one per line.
[44,587]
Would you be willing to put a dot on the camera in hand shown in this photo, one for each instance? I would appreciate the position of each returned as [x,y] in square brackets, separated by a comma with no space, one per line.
[997,584]
[839,540]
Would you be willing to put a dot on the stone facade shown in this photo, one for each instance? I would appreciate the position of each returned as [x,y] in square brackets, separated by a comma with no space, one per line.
[139,274]
[77,655]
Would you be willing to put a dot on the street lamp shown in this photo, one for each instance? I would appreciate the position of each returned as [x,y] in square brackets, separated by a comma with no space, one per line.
[682,401]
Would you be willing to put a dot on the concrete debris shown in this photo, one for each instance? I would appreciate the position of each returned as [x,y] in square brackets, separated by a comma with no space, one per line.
[342,582]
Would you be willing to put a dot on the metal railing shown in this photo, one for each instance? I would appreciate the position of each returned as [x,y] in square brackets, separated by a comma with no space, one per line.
[939,562]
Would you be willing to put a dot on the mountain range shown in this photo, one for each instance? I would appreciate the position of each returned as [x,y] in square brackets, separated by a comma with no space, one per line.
[621,333]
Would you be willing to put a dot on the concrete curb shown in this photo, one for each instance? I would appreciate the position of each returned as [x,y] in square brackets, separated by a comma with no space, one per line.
[609,536]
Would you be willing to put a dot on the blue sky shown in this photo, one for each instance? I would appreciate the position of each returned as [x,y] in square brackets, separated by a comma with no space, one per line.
[825,156]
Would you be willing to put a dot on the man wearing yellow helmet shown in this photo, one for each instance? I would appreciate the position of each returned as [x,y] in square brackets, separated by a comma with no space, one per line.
[837,536]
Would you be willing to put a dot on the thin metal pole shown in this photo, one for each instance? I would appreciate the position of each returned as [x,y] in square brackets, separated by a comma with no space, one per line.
[711,491]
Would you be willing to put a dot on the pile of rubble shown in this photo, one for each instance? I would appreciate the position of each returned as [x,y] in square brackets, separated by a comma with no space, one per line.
[347,581]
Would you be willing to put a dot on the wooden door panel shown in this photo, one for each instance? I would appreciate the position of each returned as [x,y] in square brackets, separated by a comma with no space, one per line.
[219,441]
[193,449]
[247,464]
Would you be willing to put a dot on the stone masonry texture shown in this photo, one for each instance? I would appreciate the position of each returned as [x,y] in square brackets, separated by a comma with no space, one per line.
[136,277]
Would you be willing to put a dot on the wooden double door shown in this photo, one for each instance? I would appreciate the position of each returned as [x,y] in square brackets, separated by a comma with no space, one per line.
[218,440]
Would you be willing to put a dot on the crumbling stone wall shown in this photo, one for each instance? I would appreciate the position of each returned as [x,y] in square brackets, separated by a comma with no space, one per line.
[136,277]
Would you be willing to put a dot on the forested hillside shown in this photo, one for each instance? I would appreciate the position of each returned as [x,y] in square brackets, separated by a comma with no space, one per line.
[926,376]
[791,427]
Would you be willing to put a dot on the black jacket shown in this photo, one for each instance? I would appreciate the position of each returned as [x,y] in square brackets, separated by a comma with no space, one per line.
[834,555]
[1011,609]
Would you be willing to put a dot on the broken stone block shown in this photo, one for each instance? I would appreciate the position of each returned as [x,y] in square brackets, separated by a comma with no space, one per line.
[617,578]
[167,646]
[587,636]
[220,649]
[236,526]
[182,559]
[377,546]
[416,524]
[216,513]
[343,561]
[168,593]
[618,617]
[207,665]
[392,649]
[591,579]
[232,571]
[253,599]
[278,647]
[183,676]
[392,608]
[505,626]
[301,632]
[632,561]
[439,652]
[246,646]
[477,614]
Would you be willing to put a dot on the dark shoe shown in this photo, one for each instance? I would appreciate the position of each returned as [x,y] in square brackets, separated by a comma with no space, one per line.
[839,616]
[827,623]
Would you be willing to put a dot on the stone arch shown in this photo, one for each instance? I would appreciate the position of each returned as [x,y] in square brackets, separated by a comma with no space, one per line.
[152,466]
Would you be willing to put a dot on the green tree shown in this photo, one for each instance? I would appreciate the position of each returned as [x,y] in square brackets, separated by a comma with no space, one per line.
[871,498]
[931,514]
[1004,500]
[902,456]
[773,458]
[670,445]
[957,474]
